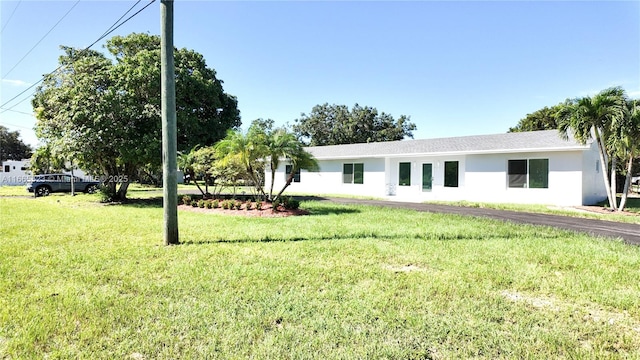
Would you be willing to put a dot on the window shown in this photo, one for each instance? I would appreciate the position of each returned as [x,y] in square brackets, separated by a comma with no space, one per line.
[404,174]
[353,173]
[539,173]
[287,171]
[7,168]
[532,173]
[450,174]
[517,173]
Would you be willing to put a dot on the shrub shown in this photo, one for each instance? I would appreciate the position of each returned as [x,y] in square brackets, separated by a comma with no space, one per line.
[208,204]
[292,204]
[194,203]
[186,200]
[106,196]
[214,204]
[201,204]
[247,205]
[259,205]
[238,204]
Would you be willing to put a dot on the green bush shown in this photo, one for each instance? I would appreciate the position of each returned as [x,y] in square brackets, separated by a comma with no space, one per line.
[194,203]
[186,200]
[238,205]
[201,204]
[208,204]
[259,205]
[215,204]
[247,205]
[292,204]
[106,196]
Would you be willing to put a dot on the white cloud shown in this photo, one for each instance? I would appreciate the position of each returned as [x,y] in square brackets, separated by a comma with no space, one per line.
[634,94]
[17,83]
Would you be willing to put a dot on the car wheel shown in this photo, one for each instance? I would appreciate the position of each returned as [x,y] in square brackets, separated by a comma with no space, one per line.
[91,189]
[43,191]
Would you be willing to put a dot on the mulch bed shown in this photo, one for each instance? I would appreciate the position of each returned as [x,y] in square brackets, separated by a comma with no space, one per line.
[266,211]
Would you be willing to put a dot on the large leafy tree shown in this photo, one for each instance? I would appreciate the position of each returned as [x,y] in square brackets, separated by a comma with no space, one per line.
[337,124]
[104,114]
[599,118]
[11,146]
[543,119]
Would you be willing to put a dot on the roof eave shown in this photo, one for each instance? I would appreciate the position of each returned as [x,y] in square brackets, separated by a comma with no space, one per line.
[456,153]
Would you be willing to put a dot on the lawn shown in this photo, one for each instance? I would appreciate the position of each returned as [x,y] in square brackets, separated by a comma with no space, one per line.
[79,279]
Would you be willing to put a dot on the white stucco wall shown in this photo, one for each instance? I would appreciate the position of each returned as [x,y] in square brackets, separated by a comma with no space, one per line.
[328,180]
[593,188]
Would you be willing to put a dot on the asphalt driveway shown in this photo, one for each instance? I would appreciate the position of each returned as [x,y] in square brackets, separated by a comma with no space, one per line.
[630,233]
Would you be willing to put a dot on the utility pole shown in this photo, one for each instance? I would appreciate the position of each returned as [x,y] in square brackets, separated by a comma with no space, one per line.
[169,127]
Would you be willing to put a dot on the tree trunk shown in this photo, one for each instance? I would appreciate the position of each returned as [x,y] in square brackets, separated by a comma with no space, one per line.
[289,181]
[192,175]
[273,177]
[605,168]
[122,190]
[627,183]
[614,190]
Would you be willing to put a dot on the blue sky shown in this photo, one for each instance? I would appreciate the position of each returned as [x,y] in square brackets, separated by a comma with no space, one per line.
[456,68]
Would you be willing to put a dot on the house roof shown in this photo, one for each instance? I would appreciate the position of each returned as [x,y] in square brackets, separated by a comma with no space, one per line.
[532,141]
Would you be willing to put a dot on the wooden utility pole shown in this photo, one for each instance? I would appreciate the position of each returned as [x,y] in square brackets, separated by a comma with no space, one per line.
[169,127]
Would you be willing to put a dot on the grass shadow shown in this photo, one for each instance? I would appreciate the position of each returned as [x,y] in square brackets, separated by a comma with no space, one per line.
[152,202]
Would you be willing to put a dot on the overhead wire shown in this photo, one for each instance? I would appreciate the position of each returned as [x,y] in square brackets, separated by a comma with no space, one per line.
[113,28]
[10,16]
[42,38]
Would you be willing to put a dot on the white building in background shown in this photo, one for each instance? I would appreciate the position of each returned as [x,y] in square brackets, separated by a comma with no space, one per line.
[528,167]
[14,172]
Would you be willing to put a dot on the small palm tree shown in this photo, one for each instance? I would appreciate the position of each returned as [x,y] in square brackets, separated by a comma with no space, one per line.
[627,142]
[248,149]
[299,159]
[281,145]
[593,117]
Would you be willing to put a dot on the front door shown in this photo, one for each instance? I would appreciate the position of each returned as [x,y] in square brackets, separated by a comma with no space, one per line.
[427,177]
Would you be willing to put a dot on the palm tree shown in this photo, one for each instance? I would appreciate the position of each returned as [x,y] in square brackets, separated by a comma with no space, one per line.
[593,117]
[299,159]
[628,138]
[281,145]
[248,149]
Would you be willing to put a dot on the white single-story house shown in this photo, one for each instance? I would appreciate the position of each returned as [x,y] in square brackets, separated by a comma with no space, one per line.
[537,167]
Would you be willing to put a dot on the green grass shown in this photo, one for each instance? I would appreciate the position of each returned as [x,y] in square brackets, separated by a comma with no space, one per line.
[83,280]
[632,206]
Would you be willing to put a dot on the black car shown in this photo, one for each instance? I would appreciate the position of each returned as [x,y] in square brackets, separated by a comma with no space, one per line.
[43,185]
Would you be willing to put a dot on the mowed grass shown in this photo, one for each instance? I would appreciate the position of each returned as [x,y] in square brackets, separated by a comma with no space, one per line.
[83,280]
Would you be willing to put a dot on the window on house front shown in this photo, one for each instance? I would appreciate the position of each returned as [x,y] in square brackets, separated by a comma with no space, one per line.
[539,173]
[287,171]
[532,173]
[353,173]
[451,174]
[7,168]
[404,174]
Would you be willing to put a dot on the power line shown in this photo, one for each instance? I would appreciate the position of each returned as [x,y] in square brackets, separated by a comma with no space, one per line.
[113,28]
[10,16]
[42,38]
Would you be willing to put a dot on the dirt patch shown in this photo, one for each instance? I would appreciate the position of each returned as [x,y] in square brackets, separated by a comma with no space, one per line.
[266,211]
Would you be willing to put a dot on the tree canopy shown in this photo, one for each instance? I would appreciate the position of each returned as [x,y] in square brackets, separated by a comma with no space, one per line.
[543,119]
[104,114]
[11,146]
[337,124]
